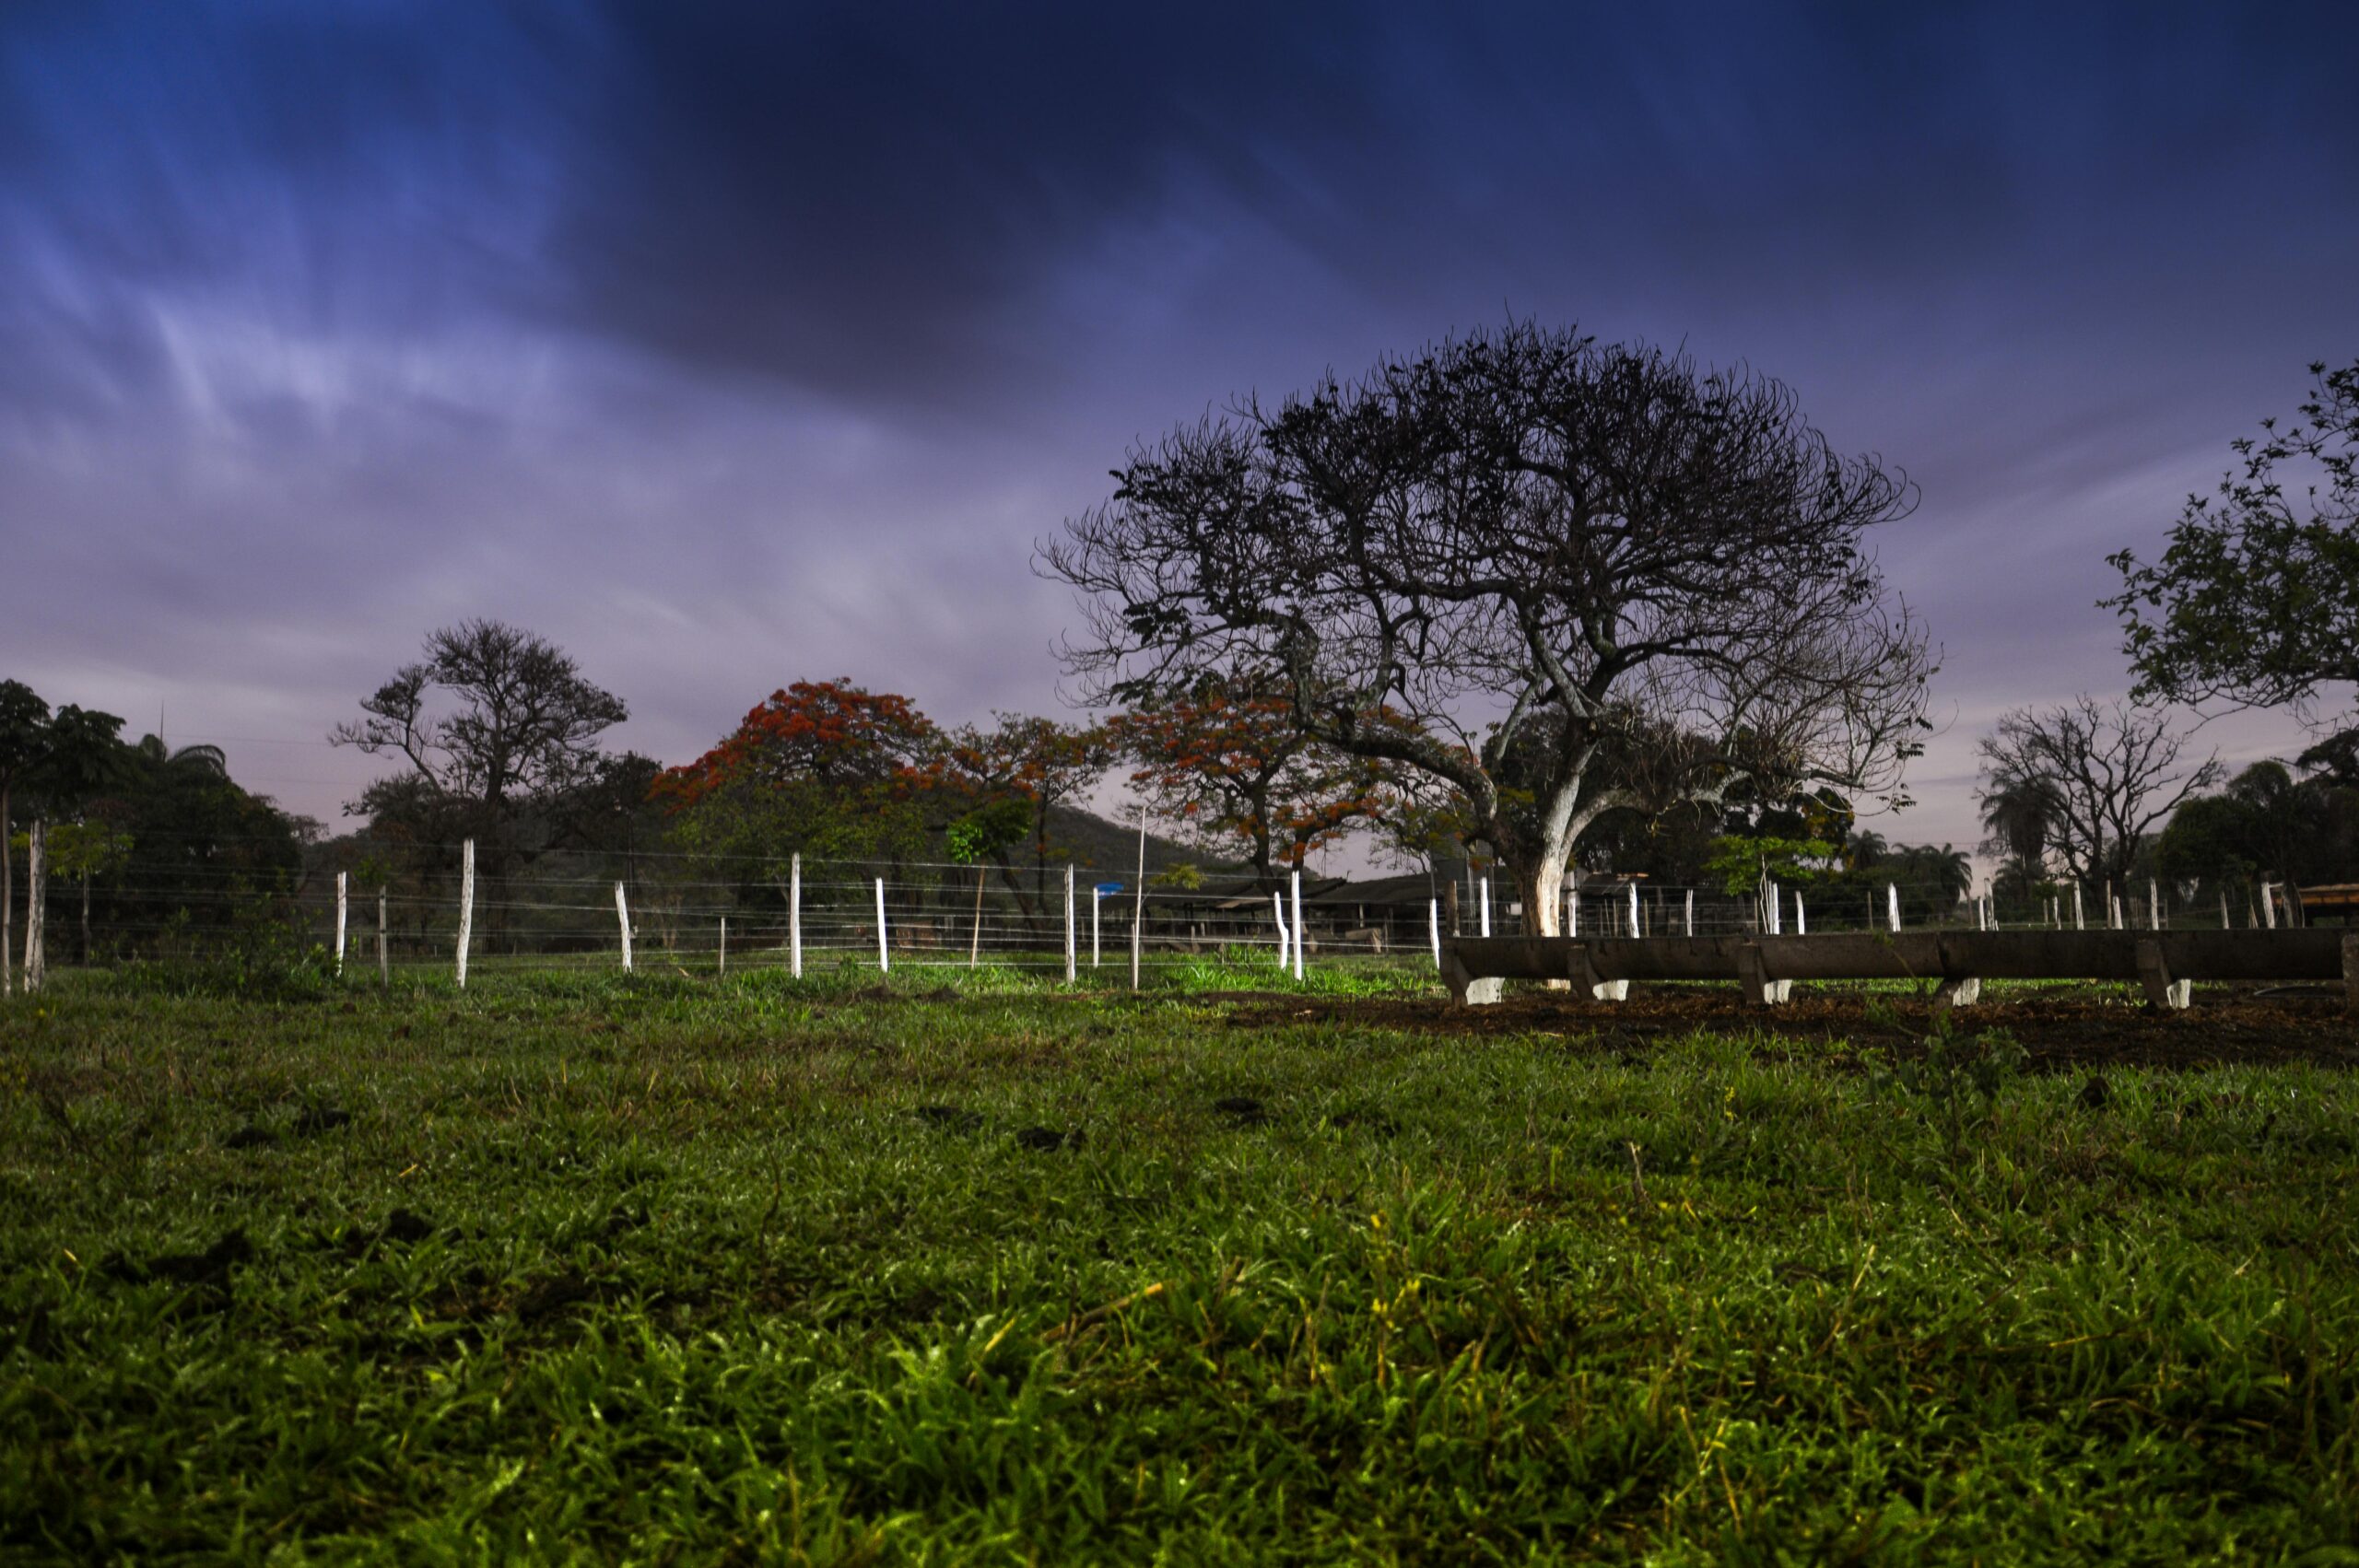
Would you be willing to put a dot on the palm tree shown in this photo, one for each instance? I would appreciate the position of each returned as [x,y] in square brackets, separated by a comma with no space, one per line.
[198,758]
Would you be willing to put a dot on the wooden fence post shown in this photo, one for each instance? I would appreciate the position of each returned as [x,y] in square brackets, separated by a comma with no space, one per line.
[340,924]
[622,919]
[467,906]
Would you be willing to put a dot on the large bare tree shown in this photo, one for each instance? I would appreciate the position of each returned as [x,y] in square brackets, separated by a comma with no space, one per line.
[1510,557]
[2102,774]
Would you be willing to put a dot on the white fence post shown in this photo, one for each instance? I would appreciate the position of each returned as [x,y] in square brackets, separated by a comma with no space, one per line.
[1691,912]
[1573,912]
[1298,924]
[795,917]
[2268,908]
[1433,927]
[1278,903]
[1096,898]
[1634,909]
[467,906]
[340,924]
[384,961]
[721,953]
[2078,923]
[2154,903]
[1891,904]
[1801,916]
[622,919]
[36,908]
[2119,924]
[884,958]
[2112,907]
[1073,966]
[1485,904]
[1777,912]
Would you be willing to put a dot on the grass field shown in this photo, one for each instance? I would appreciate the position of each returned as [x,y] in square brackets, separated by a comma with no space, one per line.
[666,1270]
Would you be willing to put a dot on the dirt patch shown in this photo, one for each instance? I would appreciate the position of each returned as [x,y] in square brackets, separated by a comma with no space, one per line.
[2063,1029]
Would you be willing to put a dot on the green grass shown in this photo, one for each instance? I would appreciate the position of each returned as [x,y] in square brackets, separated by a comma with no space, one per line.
[667,1270]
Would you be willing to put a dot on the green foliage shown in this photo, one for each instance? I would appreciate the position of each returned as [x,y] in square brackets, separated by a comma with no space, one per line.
[1738,861]
[2255,597]
[990,830]
[664,1269]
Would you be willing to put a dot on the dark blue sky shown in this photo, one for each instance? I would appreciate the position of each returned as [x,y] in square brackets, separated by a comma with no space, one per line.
[729,345]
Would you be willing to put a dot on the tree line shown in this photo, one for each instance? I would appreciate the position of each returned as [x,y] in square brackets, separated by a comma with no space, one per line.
[1519,599]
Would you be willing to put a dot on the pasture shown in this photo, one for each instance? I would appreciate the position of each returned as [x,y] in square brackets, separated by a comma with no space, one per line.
[660,1269]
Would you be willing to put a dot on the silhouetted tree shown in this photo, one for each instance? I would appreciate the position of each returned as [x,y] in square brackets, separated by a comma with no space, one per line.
[498,727]
[2255,600]
[1586,544]
[2110,774]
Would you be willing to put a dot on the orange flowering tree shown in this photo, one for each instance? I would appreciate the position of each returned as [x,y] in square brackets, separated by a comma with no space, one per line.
[825,768]
[1246,777]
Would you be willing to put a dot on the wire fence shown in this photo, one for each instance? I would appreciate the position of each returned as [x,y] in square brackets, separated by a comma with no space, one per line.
[441,907]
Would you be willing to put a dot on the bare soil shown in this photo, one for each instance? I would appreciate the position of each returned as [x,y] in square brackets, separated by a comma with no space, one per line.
[2064,1029]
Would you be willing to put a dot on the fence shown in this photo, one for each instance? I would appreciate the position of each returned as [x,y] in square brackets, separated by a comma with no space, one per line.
[434,908]
[2165,962]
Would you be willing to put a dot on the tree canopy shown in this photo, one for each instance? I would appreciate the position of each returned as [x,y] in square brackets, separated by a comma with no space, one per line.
[2255,601]
[1522,536]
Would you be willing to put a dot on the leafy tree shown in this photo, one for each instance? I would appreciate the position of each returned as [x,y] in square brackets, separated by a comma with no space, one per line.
[824,768]
[1038,761]
[2256,600]
[24,724]
[1741,863]
[1233,763]
[2265,825]
[206,856]
[1586,546]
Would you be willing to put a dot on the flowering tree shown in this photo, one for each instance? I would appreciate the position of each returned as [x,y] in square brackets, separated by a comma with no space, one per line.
[824,767]
[1239,768]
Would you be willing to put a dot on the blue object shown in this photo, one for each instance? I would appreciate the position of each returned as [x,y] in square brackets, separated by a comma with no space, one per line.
[1109,887]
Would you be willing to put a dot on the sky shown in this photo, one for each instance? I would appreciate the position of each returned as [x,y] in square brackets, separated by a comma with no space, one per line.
[732,344]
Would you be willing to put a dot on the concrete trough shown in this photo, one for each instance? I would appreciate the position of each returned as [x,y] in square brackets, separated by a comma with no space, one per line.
[2165,962]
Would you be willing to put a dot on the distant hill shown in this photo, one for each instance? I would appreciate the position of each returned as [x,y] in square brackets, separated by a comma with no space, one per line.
[1113,848]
